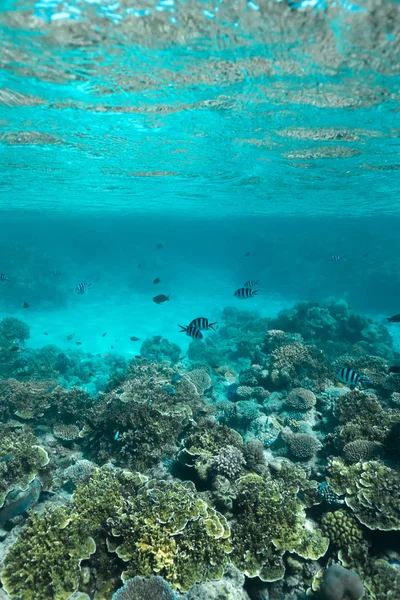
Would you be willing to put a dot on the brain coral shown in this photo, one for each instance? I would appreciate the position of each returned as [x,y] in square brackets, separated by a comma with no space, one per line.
[372,492]
[303,445]
[270,520]
[166,528]
[301,399]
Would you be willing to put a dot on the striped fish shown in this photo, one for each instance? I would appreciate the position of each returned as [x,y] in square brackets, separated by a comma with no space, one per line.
[251,283]
[3,277]
[191,331]
[82,287]
[351,377]
[202,324]
[336,258]
[245,292]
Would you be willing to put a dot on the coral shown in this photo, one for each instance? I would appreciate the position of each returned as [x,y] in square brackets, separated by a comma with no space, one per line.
[229,462]
[341,528]
[361,450]
[152,588]
[326,493]
[297,365]
[200,379]
[55,548]
[338,583]
[303,445]
[253,452]
[161,349]
[244,391]
[269,521]
[14,329]
[67,433]
[20,460]
[209,438]
[383,580]
[301,399]
[372,491]
[167,529]
[82,469]
[222,493]
[230,587]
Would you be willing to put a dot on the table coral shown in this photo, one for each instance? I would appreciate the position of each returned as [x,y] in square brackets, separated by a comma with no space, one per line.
[270,520]
[44,562]
[372,492]
[167,529]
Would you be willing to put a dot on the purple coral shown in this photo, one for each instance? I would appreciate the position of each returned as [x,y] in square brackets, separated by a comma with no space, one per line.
[339,583]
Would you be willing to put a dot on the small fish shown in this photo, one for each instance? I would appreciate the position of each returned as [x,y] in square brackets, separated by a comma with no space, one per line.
[70,336]
[247,255]
[336,258]
[135,339]
[351,377]
[394,369]
[112,347]
[139,267]
[160,246]
[160,299]
[6,458]
[104,334]
[202,324]
[82,288]
[116,436]
[55,272]
[25,305]
[171,390]
[78,343]
[3,277]
[251,283]
[157,280]
[176,378]
[394,319]
[192,332]
[245,292]
[45,333]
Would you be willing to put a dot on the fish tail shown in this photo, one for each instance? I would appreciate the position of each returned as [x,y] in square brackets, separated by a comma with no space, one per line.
[211,325]
[183,329]
[256,292]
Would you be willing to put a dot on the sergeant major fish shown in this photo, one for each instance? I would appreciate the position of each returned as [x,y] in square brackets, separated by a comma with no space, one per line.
[251,283]
[82,288]
[202,324]
[351,377]
[191,331]
[3,277]
[245,292]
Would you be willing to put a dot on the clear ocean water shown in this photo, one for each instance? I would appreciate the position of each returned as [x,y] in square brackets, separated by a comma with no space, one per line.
[204,144]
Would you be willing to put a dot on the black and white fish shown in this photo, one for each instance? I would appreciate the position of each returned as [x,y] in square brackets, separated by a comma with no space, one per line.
[3,277]
[191,331]
[202,324]
[82,287]
[245,292]
[337,258]
[55,272]
[251,283]
[351,377]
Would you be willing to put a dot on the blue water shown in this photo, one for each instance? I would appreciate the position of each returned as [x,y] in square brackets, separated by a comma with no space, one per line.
[204,144]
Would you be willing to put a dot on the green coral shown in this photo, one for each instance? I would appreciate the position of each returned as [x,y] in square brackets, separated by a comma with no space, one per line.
[44,563]
[341,528]
[270,520]
[168,530]
[210,437]
[20,460]
[372,492]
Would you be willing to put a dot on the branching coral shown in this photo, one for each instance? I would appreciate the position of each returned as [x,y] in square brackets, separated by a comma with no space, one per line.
[152,588]
[372,492]
[229,462]
[297,365]
[303,445]
[269,521]
[167,529]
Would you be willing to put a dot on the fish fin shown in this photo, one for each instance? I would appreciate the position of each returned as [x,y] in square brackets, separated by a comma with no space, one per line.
[183,329]
[211,325]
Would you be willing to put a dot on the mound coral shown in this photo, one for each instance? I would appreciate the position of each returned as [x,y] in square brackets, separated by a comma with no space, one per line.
[167,529]
[68,433]
[55,548]
[338,583]
[301,399]
[372,491]
[341,528]
[21,458]
[361,450]
[152,588]
[297,365]
[269,521]
[161,348]
[303,445]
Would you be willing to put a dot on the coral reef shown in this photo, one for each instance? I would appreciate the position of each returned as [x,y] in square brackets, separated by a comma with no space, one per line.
[361,450]
[152,588]
[303,445]
[301,399]
[338,583]
[160,349]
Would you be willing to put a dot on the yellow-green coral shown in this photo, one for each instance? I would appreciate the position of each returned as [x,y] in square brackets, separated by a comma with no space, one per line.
[44,562]
[167,529]
[372,492]
[341,528]
[20,460]
[270,520]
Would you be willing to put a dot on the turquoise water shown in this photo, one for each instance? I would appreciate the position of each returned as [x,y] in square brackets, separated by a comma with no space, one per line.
[201,144]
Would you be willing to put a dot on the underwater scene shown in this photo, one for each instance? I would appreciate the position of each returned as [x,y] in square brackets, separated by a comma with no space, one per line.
[199,300]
